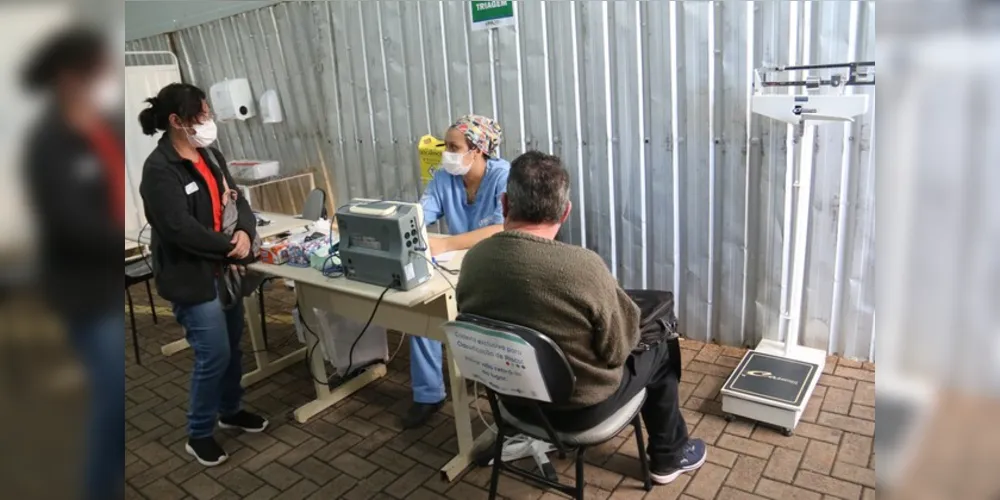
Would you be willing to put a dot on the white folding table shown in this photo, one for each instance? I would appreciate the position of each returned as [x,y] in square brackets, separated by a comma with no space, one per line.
[421,311]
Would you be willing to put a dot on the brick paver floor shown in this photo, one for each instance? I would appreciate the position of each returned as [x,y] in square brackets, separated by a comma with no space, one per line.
[357,449]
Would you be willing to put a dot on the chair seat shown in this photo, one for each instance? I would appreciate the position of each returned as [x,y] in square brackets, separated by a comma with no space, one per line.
[137,271]
[590,437]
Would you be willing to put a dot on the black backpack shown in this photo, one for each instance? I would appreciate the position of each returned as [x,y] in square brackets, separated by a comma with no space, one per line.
[658,323]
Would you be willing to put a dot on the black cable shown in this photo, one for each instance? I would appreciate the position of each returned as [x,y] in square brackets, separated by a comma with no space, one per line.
[309,354]
[441,270]
[331,270]
[420,236]
[439,267]
[350,355]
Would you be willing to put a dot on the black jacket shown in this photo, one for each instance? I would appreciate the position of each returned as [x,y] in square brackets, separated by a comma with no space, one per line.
[187,251]
[80,239]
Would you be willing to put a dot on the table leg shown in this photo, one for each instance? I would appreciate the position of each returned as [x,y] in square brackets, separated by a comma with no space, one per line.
[273,367]
[251,310]
[265,367]
[174,347]
[326,398]
[468,447]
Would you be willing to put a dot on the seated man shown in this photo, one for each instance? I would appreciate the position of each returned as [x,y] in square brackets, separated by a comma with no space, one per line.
[523,276]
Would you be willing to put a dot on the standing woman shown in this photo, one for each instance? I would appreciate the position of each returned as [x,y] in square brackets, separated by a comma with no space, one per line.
[183,184]
[465,192]
[75,173]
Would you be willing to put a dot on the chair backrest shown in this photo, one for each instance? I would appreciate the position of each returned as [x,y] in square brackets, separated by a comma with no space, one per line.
[315,206]
[517,352]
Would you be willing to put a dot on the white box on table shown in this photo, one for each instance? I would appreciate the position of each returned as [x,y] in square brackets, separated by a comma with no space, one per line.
[253,170]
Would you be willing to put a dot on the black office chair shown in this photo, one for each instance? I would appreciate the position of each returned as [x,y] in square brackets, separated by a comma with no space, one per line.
[315,205]
[560,383]
[138,271]
[313,209]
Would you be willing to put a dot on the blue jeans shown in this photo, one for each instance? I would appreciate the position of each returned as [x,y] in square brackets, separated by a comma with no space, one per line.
[214,335]
[425,370]
[99,343]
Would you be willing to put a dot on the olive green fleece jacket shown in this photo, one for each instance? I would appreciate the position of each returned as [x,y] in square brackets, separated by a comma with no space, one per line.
[562,291]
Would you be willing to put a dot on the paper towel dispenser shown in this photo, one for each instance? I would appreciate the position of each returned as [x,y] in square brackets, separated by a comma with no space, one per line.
[270,107]
[231,99]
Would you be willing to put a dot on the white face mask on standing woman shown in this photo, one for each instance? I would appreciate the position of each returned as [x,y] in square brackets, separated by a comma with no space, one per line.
[453,163]
[205,134]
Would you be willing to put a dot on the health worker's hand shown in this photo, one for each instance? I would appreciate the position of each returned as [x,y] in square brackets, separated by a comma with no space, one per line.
[439,245]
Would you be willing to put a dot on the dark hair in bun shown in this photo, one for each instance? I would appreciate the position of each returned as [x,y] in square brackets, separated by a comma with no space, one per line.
[181,99]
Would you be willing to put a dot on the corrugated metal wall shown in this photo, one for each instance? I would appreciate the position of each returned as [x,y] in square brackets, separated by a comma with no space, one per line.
[152,44]
[676,185]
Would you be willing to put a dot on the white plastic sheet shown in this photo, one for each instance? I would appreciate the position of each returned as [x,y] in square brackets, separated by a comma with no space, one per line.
[337,334]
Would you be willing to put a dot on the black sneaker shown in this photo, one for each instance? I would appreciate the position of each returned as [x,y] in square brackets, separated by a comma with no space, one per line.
[419,414]
[206,451]
[695,453]
[245,421]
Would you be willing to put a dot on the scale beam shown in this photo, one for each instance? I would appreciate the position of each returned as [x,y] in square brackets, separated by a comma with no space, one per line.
[858,74]
[814,104]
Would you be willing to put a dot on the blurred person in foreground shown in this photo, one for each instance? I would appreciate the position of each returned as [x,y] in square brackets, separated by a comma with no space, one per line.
[524,276]
[75,163]
[185,187]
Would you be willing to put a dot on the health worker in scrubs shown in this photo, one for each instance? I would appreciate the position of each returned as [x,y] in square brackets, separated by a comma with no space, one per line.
[465,192]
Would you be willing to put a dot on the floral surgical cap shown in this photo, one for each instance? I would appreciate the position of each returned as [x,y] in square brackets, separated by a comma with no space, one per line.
[484,133]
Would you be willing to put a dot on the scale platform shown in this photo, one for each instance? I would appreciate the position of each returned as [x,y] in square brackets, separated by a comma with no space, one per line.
[771,388]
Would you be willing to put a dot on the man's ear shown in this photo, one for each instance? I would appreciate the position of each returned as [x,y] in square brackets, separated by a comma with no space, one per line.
[565,215]
[503,205]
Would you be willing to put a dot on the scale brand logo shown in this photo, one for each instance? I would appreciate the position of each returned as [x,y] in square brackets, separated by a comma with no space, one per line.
[768,375]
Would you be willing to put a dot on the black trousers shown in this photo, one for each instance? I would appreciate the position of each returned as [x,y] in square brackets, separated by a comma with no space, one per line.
[665,426]
[654,370]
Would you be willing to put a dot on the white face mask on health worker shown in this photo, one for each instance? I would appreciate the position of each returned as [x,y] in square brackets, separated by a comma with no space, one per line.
[453,164]
[205,134]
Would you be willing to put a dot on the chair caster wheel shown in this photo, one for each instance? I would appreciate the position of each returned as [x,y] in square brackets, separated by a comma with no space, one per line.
[787,432]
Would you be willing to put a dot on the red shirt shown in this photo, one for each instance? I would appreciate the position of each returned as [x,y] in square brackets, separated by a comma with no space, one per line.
[213,191]
[111,151]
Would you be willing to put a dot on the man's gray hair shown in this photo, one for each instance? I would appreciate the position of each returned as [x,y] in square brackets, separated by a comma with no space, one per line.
[537,189]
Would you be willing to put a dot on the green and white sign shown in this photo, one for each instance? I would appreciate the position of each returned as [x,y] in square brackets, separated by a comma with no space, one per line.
[492,14]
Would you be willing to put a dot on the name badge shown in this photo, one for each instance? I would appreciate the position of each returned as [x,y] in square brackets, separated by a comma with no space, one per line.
[191,188]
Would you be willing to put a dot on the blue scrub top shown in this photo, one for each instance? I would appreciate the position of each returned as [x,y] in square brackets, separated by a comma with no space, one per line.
[445,197]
